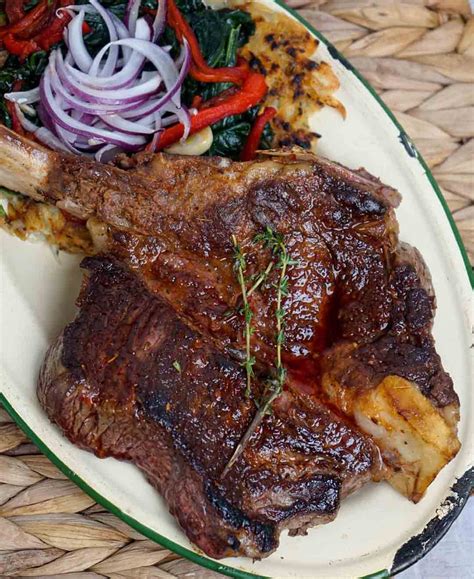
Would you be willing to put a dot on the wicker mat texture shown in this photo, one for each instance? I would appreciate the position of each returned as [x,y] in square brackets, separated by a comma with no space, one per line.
[420,56]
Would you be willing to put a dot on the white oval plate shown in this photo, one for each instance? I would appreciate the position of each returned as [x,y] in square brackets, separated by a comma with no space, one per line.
[377,530]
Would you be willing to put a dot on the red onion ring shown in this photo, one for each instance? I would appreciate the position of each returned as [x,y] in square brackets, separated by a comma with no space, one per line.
[159,23]
[75,43]
[121,96]
[25,97]
[131,15]
[128,142]
[112,58]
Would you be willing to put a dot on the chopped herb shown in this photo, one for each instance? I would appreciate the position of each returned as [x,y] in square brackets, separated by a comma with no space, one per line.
[3,213]
[177,366]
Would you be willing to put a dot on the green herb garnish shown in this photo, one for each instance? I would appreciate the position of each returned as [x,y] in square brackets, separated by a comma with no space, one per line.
[240,265]
[274,385]
[177,366]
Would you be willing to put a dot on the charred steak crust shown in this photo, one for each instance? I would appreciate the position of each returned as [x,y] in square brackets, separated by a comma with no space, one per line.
[111,384]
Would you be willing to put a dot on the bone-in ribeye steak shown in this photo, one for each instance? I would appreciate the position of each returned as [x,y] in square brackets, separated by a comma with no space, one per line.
[128,379]
[358,346]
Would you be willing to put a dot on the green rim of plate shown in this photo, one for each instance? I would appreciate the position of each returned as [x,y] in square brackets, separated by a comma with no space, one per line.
[153,535]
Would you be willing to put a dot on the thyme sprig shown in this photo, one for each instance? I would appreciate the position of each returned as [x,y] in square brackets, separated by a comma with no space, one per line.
[274,385]
[260,278]
[240,266]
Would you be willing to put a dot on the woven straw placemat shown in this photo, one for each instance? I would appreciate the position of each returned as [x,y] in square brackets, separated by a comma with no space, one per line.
[420,56]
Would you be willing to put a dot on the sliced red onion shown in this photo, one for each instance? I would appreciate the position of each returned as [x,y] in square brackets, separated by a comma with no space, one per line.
[129,127]
[112,57]
[122,32]
[169,120]
[41,133]
[159,22]
[24,97]
[83,117]
[24,122]
[106,104]
[124,77]
[45,118]
[57,131]
[131,15]
[49,138]
[68,138]
[121,96]
[160,59]
[81,105]
[154,141]
[185,119]
[128,142]
[120,27]
[147,74]
[157,104]
[178,114]
[77,104]
[65,136]
[75,43]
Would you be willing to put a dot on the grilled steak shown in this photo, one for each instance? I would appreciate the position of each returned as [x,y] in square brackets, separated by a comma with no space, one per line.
[128,379]
[172,220]
[358,308]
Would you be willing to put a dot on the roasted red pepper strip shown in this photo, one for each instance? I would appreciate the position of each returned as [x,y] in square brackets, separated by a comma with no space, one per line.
[14,10]
[200,70]
[20,48]
[30,23]
[251,92]
[34,33]
[253,140]
[53,33]
[16,125]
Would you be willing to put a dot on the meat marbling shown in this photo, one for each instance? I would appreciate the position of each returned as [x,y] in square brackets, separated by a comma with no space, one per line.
[358,343]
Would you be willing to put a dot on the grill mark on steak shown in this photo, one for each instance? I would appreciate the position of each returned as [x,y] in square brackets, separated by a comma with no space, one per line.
[110,384]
